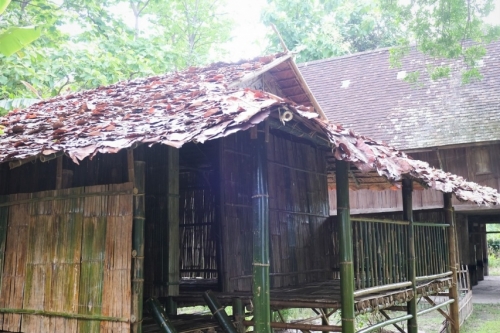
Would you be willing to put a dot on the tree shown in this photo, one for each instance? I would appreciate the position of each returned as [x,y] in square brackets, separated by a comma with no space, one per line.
[13,38]
[326,28]
[101,47]
[439,28]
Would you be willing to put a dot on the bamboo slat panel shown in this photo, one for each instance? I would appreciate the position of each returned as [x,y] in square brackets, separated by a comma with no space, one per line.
[301,238]
[70,255]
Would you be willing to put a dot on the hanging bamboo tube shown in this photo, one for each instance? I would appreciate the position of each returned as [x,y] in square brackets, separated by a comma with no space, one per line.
[346,248]
[260,203]
[138,245]
[449,219]
[408,216]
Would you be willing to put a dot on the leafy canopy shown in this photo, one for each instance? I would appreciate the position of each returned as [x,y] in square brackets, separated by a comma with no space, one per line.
[89,43]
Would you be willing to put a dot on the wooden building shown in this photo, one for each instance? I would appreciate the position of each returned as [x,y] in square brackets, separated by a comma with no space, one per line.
[211,178]
[451,125]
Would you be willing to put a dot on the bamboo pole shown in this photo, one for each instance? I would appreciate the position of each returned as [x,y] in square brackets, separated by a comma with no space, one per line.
[299,326]
[159,316]
[449,218]
[385,323]
[239,314]
[346,248]
[260,203]
[408,216]
[362,292]
[171,250]
[64,315]
[219,312]
[138,245]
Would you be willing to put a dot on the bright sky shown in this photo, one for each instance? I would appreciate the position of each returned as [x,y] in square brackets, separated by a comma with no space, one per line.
[248,35]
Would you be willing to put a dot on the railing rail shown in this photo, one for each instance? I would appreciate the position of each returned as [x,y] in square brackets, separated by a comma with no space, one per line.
[381,251]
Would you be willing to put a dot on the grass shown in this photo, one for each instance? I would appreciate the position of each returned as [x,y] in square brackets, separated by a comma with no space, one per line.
[484,319]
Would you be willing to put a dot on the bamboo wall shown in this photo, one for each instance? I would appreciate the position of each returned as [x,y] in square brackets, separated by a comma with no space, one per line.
[66,251]
[300,237]
[480,164]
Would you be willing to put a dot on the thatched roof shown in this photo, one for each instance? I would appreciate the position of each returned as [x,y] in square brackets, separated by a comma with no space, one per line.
[197,105]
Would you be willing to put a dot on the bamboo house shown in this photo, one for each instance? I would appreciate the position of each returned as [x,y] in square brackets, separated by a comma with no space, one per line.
[213,178]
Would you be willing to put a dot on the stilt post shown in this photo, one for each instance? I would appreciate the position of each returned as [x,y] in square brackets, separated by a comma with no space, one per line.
[260,204]
[138,244]
[346,246]
[452,241]
[412,272]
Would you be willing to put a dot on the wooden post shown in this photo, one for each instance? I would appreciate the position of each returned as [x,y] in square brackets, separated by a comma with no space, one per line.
[346,246]
[260,204]
[59,173]
[138,244]
[173,241]
[450,219]
[408,216]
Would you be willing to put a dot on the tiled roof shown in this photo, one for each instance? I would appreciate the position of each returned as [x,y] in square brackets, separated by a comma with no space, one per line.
[363,93]
[198,105]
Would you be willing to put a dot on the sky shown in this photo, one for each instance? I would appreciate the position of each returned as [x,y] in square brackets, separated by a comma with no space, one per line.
[249,33]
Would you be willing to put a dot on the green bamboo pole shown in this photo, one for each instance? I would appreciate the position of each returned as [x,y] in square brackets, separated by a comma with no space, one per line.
[219,313]
[345,240]
[138,245]
[260,203]
[79,316]
[408,216]
[450,219]
[159,316]
[238,314]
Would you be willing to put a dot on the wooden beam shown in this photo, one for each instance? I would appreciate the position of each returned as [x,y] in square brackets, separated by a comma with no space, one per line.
[431,302]
[449,217]
[394,324]
[408,216]
[346,247]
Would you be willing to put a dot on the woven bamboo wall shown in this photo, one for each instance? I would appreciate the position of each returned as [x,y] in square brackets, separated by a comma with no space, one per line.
[301,243]
[66,251]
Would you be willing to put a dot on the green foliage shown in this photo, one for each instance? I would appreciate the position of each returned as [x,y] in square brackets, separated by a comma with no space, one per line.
[446,29]
[86,44]
[325,28]
[13,39]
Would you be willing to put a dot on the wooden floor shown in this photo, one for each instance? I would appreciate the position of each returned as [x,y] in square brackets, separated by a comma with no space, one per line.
[192,323]
[323,295]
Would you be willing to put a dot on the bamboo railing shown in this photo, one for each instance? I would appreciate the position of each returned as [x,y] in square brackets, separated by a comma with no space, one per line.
[381,251]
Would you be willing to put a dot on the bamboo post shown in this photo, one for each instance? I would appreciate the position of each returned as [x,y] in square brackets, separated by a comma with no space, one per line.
[408,216]
[159,316]
[238,314]
[260,203]
[346,247]
[219,313]
[138,245]
[173,242]
[450,219]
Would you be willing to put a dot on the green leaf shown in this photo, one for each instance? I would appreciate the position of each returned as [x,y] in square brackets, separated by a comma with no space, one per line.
[3,5]
[16,103]
[15,38]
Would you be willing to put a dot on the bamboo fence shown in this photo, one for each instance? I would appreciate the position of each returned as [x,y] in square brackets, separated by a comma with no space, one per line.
[66,260]
[381,252]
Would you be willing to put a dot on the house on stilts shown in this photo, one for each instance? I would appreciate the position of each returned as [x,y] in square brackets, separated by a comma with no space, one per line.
[212,178]
[451,125]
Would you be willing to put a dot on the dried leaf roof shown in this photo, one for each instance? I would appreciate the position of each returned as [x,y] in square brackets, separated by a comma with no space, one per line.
[197,105]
